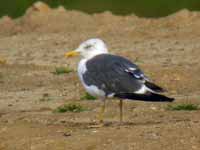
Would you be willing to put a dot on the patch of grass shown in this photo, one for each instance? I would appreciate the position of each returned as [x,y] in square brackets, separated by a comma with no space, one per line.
[70,108]
[62,70]
[184,107]
[87,96]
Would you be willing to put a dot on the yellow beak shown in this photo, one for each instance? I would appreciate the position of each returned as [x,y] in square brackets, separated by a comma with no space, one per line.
[71,53]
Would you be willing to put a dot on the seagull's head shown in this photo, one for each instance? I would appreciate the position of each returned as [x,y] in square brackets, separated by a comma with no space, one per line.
[89,49]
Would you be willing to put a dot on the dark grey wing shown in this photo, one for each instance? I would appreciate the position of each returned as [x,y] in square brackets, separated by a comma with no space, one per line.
[113,74]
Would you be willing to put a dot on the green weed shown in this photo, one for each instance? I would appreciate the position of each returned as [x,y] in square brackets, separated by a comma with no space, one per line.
[62,70]
[184,107]
[87,96]
[70,108]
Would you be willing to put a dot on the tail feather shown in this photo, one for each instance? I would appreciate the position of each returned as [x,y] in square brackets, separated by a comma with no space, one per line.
[149,97]
[154,87]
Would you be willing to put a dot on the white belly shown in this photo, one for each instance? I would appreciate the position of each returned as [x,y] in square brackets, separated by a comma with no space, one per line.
[92,89]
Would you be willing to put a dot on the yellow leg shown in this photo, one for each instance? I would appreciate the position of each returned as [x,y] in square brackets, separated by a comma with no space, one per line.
[121,110]
[101,114]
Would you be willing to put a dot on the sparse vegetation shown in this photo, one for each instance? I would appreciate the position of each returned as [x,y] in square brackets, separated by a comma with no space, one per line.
[184,107]
[70,108]
[87,96]
[62,70]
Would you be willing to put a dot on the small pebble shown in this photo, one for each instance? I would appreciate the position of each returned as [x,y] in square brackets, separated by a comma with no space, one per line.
[67,134]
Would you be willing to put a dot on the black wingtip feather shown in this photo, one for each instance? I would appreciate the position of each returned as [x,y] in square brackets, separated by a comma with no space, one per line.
[154,87]
[149,97]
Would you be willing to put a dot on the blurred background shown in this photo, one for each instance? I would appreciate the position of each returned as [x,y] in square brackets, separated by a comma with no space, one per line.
[143,8]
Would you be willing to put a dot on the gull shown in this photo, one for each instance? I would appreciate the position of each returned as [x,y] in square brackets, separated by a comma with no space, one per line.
[105,76]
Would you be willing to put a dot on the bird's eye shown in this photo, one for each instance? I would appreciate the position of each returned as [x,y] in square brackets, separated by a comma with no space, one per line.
[88,46]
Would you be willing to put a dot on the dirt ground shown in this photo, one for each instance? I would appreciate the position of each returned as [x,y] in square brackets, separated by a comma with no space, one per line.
[167,49]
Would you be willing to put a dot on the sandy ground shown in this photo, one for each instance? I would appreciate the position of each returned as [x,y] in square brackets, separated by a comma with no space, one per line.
[168,49]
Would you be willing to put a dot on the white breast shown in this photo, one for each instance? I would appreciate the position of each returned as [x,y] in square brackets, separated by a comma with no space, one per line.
[92,89]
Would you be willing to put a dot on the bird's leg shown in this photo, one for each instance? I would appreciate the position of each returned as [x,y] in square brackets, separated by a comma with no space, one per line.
[121,110]
[101,114]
